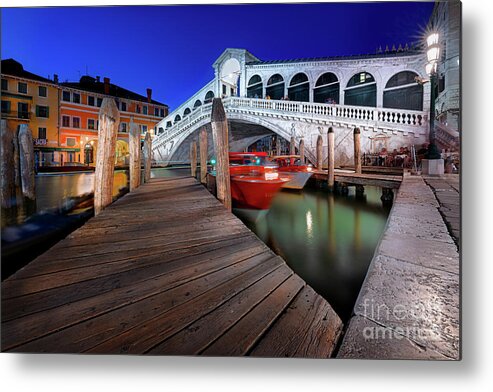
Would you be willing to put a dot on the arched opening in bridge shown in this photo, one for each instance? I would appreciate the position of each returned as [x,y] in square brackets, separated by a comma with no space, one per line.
[208,97]
[197,104]
[121,153]
[160,130]
[299,88]
[326,89]
[177,118]
[168,124]
[255,87]
[402,92]
[186,112]
[275,87]
[230,73]
[361,90]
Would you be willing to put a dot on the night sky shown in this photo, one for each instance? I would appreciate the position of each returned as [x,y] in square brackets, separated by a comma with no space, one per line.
[171,48]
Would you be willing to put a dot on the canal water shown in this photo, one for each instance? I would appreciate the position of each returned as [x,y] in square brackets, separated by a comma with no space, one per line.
[328,240]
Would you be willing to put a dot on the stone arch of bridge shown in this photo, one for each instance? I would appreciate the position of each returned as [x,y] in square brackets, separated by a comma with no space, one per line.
[284,131]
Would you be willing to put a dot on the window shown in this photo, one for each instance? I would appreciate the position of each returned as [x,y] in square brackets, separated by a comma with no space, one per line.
[42,111]
[65,121]
[123,127]
[42,91]
[224,89]
[144,128]
[22,110]
[100,102]
[326,89]
[162,112]
[402,92]
[361,90]
[91,123]
[76,98]
[156,112]
[41,133]
[137,109]
[22,87]
[66,96]
[124,107]
[208,97]
[275,87]
[144,109]
[90,100]
[186,112]
[5,106]
[299,88]
[71,141]
[5,84]
[75,122]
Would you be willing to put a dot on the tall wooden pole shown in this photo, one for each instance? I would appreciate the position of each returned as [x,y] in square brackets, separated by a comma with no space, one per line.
[357,150]
[147,157]
[26,161]
[221,147]
[109,119]
[193,158]
[320,156]
[7,165]
[278,145]
[292,146]
[203,155]
[302,151]
[134,149]
[330,173]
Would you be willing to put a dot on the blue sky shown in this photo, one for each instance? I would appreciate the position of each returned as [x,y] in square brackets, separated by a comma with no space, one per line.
[171,48]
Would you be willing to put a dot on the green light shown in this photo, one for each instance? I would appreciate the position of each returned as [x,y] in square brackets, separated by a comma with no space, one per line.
[258,161]
[213,161]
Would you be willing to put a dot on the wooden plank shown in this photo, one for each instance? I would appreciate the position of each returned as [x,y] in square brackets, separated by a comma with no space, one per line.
[31,327]
[198,335]
[308,329]
[245,334]
[51,290]
[146,335]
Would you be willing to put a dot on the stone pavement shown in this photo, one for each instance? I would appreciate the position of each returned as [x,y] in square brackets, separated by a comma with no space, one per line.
[447,192]
[408,306]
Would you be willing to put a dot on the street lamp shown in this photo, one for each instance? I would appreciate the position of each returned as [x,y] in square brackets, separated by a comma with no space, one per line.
[432,54]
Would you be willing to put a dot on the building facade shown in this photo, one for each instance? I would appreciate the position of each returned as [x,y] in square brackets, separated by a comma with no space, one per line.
[31,99]
[446,20]
[79,111]
[63,117]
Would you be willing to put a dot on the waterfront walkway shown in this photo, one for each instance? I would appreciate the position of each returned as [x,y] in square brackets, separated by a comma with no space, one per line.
[408,307]
[165,270]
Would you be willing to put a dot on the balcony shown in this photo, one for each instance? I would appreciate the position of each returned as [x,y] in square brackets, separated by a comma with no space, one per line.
[16,115]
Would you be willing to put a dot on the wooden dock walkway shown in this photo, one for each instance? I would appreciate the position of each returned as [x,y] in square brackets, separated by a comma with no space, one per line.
[165,270]
[350,178]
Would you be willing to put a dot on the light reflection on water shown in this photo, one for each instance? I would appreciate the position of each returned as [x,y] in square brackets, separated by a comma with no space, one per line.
[328,240]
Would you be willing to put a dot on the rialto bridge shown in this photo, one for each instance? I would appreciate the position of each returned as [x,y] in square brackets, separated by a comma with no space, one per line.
[302,98]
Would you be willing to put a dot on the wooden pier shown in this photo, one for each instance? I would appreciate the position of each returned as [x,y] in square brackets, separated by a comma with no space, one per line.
[349,177]
[165,270]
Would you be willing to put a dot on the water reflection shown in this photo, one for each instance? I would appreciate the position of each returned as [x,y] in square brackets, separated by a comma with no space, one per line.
[328,240]
[53,191]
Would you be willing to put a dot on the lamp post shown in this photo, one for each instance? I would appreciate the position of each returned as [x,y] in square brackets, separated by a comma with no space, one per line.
[432,54]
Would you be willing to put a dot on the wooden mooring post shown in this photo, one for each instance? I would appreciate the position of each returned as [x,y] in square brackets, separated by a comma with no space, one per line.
[193,158]
[330,159]
[147,157]
[357,150]
[320,156]
[134,150]
[7,166]
[221,147]
[302,151]
[292,146]
[26,162]
[203,155]
[109,119]
[278,145]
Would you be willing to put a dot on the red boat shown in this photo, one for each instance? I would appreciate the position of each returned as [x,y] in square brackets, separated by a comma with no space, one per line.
[254,180]
[292,167]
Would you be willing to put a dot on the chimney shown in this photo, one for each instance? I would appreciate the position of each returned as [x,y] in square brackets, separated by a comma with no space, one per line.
[149,94]
[98,79]
[106,85]
[55,78]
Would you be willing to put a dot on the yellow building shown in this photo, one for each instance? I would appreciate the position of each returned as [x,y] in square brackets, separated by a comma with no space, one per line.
[31,99]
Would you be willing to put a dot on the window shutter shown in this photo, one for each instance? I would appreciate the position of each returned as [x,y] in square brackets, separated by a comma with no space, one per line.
[37,111]
[47,111]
